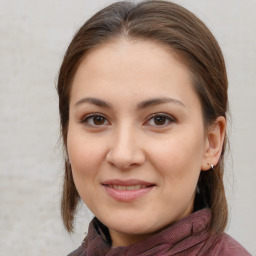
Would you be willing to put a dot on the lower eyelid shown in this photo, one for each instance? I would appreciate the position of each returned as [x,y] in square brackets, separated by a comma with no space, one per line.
[91,116]
[168,120]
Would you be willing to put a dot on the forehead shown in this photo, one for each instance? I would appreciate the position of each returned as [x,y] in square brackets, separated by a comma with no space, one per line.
[132,68]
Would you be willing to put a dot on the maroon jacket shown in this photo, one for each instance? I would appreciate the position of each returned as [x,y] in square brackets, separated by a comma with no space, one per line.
[189,236]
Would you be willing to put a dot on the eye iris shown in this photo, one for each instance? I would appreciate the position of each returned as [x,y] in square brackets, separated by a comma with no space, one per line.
[98,120]
[159,120]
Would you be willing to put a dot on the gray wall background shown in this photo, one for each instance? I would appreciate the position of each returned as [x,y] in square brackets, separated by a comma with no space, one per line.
[33,38]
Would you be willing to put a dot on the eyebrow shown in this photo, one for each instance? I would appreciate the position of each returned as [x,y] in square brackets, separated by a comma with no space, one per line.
[141,105]
[94,101]
[158,101]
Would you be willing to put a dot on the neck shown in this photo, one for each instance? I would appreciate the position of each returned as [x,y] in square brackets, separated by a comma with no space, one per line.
[120,239]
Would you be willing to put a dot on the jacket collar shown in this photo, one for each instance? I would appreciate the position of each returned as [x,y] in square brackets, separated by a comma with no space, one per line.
[178,237]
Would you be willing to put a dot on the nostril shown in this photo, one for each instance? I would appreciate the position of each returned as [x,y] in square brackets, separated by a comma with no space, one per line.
[124,158]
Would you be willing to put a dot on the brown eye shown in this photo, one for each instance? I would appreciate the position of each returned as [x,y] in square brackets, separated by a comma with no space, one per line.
[95,120]
[98,120]
[159,120]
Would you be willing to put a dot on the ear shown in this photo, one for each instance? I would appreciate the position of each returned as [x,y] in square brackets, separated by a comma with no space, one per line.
[213,143]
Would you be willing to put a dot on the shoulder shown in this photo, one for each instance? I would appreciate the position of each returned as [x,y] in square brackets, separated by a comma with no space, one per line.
[80,251]
[226,245]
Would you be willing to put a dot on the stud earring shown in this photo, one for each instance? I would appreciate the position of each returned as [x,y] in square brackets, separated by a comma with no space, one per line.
[212,166]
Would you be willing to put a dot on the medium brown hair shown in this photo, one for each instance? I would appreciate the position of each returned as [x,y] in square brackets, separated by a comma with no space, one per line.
[184,34]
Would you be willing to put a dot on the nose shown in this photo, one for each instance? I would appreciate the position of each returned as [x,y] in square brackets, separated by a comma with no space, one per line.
[125,151]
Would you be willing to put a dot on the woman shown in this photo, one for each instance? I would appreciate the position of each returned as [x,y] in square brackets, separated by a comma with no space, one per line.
[143,101]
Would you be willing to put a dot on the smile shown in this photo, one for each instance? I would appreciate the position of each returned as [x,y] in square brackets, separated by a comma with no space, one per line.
[126,191]
[121,188]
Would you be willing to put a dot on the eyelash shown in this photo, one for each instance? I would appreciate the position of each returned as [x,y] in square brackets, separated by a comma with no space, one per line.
[167,118]
[92,116]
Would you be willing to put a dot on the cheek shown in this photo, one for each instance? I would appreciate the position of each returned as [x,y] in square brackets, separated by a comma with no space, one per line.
[80,150]
[178,163]
[85,168]
[178,156]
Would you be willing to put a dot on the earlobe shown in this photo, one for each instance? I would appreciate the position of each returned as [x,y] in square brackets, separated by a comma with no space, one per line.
[214,142]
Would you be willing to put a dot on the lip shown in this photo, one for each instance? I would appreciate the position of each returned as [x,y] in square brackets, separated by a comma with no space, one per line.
[127,195]
[131,182]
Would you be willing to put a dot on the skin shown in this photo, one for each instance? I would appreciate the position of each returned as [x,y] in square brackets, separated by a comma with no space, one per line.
[126,142]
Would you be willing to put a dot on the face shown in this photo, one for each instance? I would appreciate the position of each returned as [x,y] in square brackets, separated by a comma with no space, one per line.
[136,138]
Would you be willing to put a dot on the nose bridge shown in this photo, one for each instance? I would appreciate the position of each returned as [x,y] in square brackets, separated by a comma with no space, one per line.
[125,148]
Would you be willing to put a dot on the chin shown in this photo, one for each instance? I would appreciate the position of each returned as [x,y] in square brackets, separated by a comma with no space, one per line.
[133,227]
